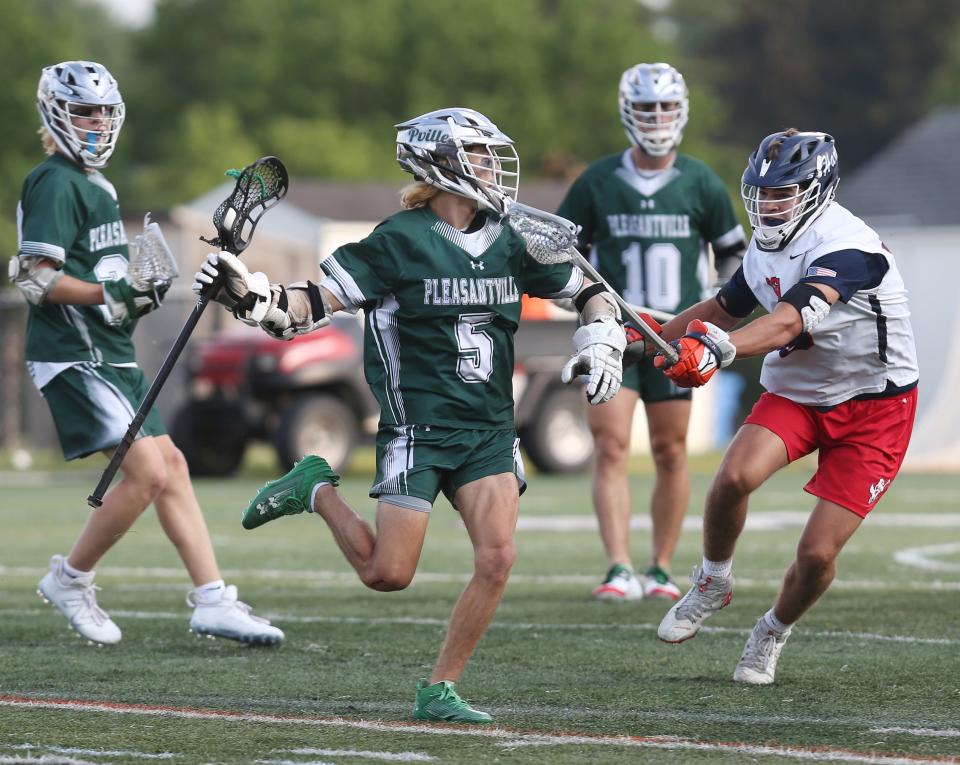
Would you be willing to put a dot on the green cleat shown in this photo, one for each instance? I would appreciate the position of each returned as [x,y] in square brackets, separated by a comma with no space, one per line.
[440,703]
[290,494]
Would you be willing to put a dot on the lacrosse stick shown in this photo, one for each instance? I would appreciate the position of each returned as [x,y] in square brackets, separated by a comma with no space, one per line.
[152,265]
[259,187]
[552,239]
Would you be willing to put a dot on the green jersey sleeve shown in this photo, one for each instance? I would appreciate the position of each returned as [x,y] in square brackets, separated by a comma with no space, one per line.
[362,272]
[719,221]
[578,206]
[50,218]
[556,280]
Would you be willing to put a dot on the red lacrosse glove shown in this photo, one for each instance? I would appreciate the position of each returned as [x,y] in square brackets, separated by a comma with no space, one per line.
[636,343]
[702,351]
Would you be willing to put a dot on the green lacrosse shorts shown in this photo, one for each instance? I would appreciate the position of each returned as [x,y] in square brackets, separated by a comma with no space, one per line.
[416,462]
[93,405]
[652,384]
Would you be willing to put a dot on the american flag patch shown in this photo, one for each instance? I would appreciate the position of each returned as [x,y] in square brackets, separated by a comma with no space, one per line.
[818,271]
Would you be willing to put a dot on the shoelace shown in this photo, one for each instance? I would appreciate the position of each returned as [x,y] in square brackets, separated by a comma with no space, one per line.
[450,695]
[89,597]
[764,650]
[691,606]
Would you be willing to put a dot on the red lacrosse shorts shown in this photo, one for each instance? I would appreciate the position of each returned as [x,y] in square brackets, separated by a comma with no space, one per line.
[861,443]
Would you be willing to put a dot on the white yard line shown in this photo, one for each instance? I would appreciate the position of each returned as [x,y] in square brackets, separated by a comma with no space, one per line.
[925,557]
[504,737]
[756,521]
[93,752]
[44,759]
[311,579]
[933,732]
[502,625]
[386,756]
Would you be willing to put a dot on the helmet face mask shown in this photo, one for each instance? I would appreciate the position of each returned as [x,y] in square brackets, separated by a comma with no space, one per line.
[81,106]
[790,180]
[654,107]
[462,152]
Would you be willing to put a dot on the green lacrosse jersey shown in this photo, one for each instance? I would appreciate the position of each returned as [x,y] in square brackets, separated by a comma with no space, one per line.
[442,307]
[72,217]
[648,234]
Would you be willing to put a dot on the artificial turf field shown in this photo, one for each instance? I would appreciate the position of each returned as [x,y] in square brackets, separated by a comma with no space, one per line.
[871,675]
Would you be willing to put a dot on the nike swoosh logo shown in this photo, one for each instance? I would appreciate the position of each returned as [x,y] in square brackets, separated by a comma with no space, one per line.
[794,257]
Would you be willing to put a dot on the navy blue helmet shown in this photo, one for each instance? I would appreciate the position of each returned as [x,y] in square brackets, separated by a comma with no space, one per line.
[790,179]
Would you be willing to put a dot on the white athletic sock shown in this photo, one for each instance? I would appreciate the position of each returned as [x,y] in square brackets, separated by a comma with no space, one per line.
[75,573]
[209,593]
[718,568]
[775,625]
[313,494]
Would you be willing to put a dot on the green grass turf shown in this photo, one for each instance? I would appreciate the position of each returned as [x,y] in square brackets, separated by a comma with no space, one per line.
[552,662]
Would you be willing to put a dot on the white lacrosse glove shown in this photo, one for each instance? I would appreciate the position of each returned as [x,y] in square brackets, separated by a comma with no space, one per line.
[246,294]
[599,354]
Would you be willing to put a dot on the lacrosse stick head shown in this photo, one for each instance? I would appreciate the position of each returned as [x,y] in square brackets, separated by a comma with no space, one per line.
[549,238]
[259,187]
[151,262]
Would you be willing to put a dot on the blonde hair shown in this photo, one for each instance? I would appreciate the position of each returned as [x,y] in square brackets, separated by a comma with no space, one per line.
[46,138]
[417,194]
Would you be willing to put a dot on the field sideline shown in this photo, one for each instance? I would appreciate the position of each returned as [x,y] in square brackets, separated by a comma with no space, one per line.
[872,675]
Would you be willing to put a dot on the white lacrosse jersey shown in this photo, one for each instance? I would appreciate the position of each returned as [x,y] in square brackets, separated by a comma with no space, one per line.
[863,345]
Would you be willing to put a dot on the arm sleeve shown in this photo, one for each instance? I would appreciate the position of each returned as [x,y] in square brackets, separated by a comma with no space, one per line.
[577,207]
[49,220]
[361,272]
[847,271]
[736,297]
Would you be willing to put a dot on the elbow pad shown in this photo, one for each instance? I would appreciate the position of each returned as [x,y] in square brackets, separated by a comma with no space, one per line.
[33,278]
[810,302]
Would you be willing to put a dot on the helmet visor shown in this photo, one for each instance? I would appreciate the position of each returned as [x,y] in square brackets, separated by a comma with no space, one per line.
[775,211]
[90,129]
[656,126]
[494,167]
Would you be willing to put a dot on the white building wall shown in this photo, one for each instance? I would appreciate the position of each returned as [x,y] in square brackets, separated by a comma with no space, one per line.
[929,259]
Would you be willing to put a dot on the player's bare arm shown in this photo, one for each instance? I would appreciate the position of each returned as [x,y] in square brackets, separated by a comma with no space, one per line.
[709,310]
[41,280]
[788,319]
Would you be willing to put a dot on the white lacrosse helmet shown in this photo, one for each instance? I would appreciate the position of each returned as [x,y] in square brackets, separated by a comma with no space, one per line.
[461,151]
[73,90]
[654,106]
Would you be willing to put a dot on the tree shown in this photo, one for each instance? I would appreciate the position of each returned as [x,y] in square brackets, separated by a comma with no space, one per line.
[857,69]
[35,35]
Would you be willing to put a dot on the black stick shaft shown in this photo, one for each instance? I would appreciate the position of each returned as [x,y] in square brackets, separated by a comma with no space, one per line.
[96,499]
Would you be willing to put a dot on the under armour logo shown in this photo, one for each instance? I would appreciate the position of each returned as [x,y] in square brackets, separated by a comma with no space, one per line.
[877,489]
[648,204]
[271,502]
[477,265]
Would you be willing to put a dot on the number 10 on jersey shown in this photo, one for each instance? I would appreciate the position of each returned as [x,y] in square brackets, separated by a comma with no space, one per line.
[653,276]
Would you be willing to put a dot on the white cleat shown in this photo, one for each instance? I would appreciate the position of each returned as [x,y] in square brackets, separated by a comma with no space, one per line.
[76,598]
[707,596]
[230,618]
[620,586]
[658,584]
[758,662]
